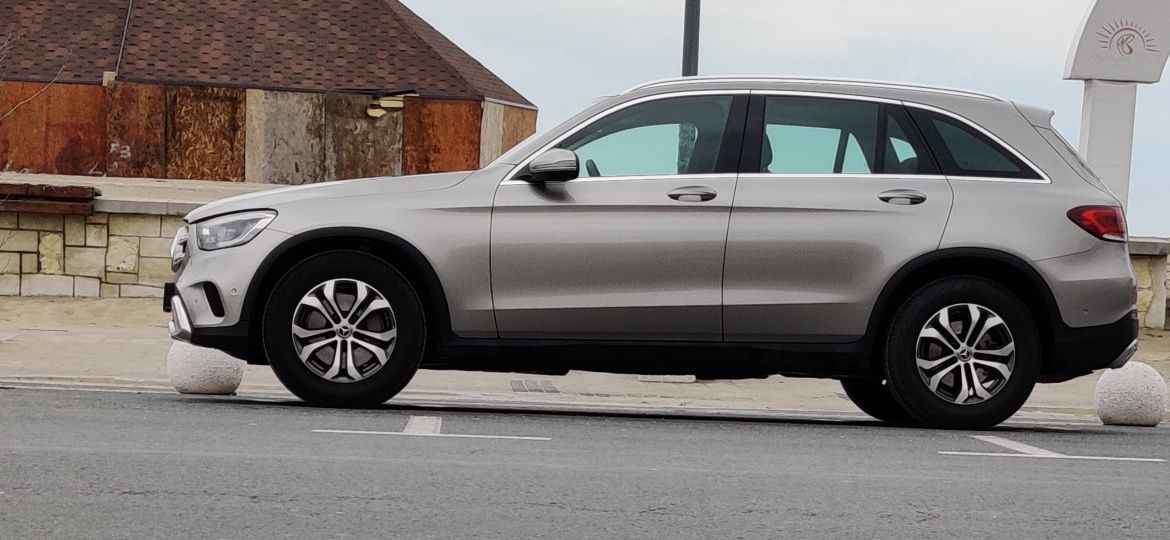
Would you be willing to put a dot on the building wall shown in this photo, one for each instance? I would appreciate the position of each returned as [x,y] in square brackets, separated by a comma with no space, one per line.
[136,131]
[357,145]
[503,127]
[205,133]
[60,130]
[285,137]
[154,131]
[440,135]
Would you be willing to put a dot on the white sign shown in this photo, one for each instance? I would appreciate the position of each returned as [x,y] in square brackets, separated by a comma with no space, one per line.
[1122,40]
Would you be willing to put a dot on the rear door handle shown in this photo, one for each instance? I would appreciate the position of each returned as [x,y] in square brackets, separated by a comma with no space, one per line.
[902,196]
[692,194]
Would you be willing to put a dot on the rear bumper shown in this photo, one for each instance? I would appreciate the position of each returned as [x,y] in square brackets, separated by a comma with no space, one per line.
[1079,351]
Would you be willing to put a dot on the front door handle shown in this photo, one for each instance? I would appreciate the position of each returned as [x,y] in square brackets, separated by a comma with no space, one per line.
[902,196]
[692,194]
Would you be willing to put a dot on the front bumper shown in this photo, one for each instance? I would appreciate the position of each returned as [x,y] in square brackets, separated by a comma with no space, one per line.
[180,325]
[1080,351]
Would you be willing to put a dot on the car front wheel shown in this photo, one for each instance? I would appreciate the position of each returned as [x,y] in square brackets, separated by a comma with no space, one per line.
[962,353]
[344,329]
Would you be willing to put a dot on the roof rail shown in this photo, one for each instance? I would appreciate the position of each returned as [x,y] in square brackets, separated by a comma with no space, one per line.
[678,81]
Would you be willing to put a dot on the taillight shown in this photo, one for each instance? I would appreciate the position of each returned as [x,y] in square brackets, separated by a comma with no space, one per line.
[1104,222]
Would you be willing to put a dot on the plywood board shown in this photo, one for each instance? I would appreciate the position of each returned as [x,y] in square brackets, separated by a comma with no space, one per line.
[440,135]
[61,130]
[358,145]
[285,137]
[136,130]
[503,127]
[205,133]
[519,124]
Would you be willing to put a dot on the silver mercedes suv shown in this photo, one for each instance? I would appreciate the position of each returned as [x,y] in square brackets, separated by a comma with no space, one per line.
[938,251]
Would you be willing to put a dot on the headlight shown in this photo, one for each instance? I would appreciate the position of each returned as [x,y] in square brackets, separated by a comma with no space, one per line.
[232,230]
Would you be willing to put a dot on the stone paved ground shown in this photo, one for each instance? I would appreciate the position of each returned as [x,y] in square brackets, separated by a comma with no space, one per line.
[124,342]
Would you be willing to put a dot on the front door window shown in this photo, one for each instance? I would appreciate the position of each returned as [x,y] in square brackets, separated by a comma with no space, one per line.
[665,137]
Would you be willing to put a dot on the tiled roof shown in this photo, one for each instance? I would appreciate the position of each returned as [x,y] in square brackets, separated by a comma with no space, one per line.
[78,39]
[311,45]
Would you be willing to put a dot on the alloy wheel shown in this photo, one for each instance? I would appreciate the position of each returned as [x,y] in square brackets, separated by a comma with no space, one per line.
[965,354]
[344,330]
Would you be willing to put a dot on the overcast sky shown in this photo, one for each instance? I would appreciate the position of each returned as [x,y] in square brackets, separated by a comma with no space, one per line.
[563,55]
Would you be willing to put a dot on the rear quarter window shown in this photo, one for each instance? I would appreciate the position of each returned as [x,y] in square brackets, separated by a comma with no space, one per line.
[962,150]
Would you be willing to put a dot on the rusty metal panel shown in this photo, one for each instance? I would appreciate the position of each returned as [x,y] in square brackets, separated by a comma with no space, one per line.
[22,134]
[285,137]
[136,130]
[357,145]
[205,133]
[61,130]
[440,135]
[75,129]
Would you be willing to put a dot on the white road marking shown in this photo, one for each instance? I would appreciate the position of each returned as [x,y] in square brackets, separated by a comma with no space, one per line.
[424,425]
[428,426]
[1017,446]
[1029,451]
[451,435]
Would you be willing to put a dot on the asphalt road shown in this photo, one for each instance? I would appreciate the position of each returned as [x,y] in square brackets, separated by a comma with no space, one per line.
[83,464]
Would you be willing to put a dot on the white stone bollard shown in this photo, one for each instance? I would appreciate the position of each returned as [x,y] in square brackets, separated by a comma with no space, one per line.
[196,370]
[1134,395]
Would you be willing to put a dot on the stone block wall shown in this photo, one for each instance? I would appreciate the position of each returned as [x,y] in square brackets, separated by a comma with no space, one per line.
[102,255]
[1153,284]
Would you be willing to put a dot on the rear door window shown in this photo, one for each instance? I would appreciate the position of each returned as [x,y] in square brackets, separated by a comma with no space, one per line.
[818,136]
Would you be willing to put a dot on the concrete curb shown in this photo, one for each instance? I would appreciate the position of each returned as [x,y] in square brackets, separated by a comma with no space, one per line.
[457,401]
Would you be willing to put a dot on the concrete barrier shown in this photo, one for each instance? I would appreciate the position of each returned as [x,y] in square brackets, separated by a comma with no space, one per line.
[1134,395]
[196,370]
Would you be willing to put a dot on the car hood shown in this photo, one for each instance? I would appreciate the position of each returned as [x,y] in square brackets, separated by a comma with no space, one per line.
[274,199]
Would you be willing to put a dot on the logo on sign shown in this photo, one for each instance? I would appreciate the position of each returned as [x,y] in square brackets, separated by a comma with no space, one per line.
[1126,38]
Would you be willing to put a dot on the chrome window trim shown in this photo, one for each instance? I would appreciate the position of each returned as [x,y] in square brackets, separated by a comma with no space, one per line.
[679,177]
[841,176]
[857,83]
[622,106]
[1044,178]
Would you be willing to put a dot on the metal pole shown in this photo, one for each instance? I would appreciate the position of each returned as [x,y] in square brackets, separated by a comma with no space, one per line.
[690,67]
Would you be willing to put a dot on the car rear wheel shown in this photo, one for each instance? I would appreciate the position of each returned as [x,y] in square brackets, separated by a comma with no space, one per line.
[344,329]
[962,353]
[873,397]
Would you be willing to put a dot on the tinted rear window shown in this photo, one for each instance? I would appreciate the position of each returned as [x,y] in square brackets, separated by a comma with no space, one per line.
[963,151]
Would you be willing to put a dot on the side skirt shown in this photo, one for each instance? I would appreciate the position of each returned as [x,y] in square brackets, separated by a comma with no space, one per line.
[705,360]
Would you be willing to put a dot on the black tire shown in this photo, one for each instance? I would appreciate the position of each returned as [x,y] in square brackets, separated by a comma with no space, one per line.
[874,398]
[910,387]
[408,317]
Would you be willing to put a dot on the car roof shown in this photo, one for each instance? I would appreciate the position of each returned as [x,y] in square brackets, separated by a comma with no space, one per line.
[846,86]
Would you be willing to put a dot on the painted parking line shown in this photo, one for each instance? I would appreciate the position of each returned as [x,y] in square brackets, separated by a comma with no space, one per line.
[428,426]
[1028,451]
[424,425]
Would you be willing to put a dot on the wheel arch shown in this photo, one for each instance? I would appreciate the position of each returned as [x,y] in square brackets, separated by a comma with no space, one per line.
[388,247]
[1003,268]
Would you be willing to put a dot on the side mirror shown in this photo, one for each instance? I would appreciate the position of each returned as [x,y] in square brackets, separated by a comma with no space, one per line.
[555,165]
